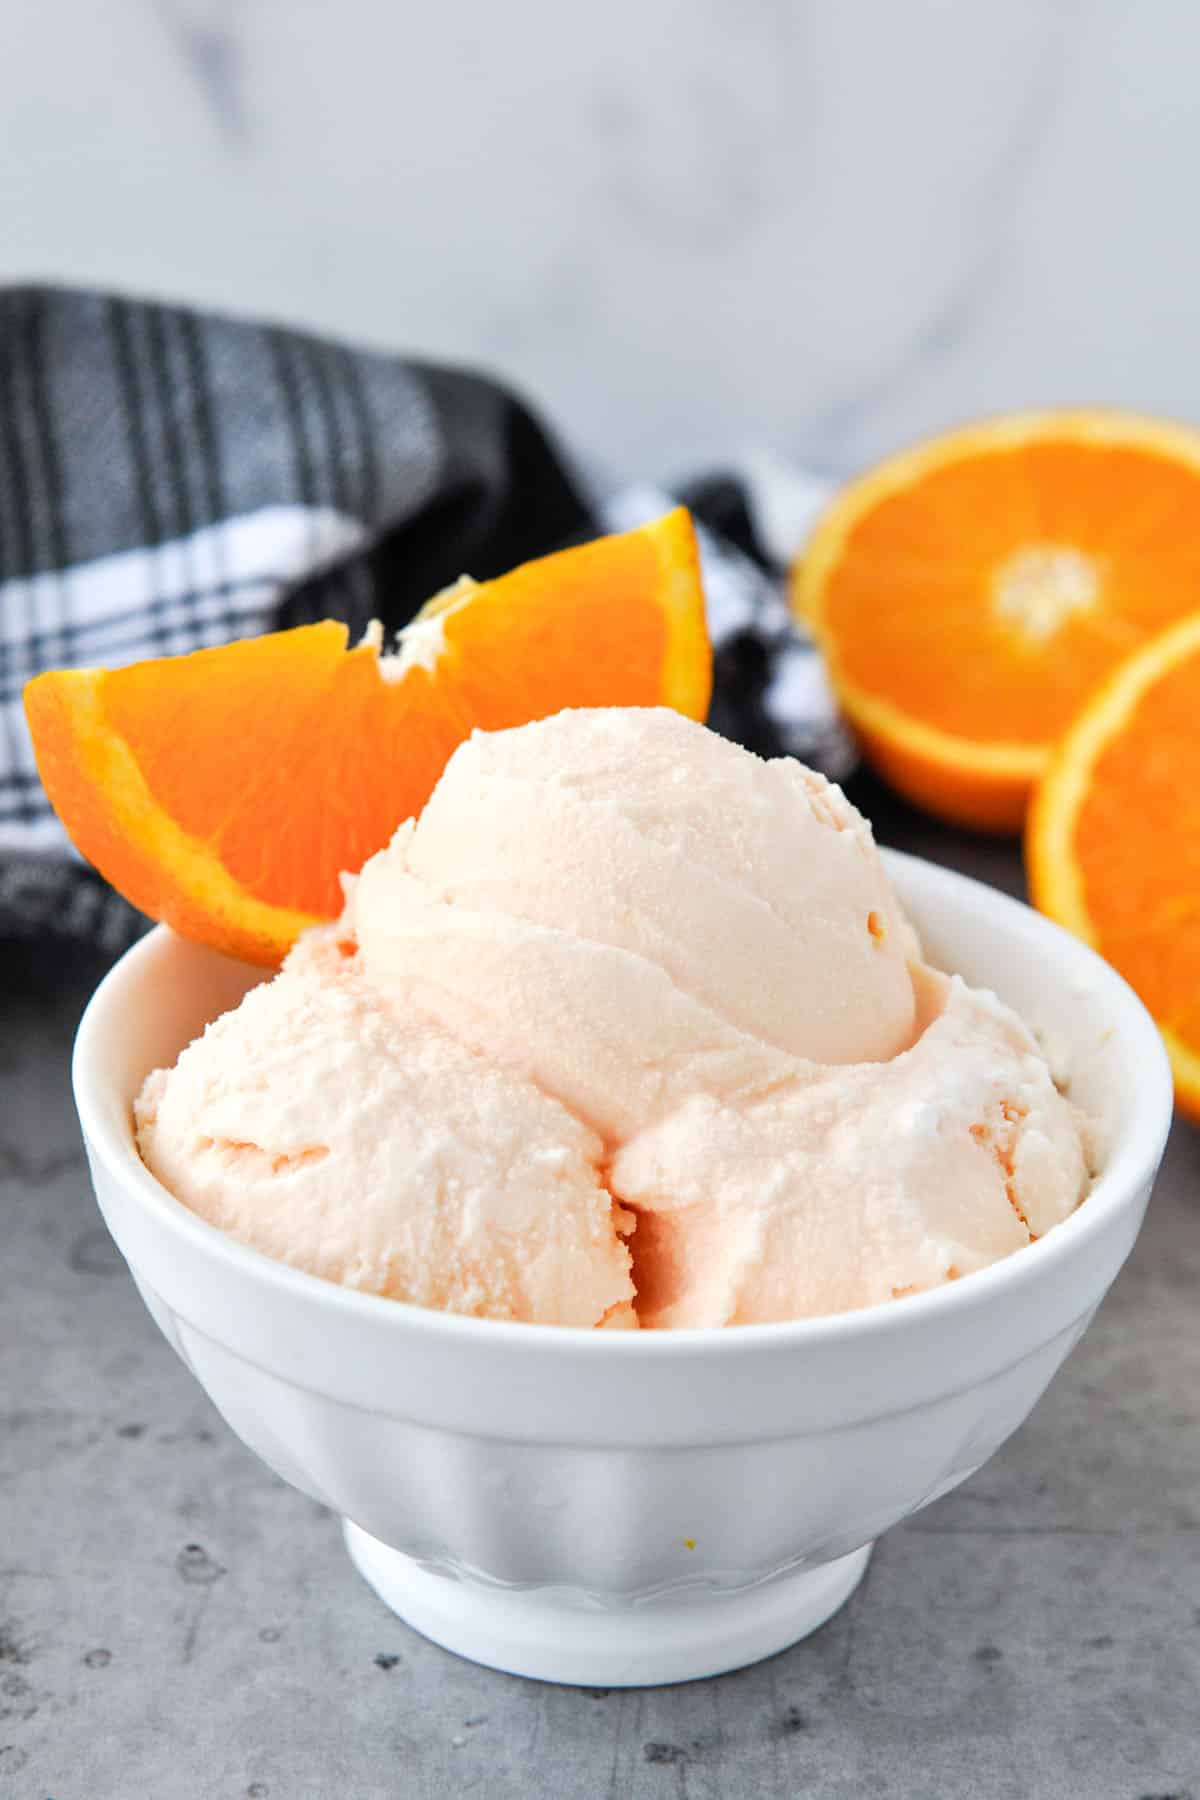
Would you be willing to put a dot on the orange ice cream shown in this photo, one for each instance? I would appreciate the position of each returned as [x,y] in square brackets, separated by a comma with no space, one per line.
[621,971]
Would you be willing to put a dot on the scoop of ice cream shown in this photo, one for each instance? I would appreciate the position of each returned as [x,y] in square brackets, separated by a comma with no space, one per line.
[630,909]
[847,1186]
[333,1132]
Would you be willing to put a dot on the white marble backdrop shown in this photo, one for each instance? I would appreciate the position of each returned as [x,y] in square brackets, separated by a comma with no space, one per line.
[685,226]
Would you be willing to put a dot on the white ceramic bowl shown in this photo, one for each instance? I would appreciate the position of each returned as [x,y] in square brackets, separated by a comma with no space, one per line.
[617,1508]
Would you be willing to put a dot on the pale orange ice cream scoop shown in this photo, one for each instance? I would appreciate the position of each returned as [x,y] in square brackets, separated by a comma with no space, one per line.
[847,1186]
[334,1133]
[630,910]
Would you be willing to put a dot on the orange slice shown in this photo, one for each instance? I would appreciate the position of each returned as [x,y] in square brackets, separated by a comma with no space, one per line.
[971,592]
[224,791]
[1113,840]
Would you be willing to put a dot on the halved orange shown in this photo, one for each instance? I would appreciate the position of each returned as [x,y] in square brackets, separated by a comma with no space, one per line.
[970,593]
[1113,841]
[224,791]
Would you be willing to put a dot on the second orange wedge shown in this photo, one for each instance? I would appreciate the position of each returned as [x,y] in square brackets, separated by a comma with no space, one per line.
[223,792]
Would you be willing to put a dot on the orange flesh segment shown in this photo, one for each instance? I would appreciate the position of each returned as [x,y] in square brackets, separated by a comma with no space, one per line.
[240,799]
[911,603]
[1137,844]
[538,640]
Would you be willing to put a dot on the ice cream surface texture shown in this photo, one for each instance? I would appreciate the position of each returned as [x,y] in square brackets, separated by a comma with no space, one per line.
[627,1027]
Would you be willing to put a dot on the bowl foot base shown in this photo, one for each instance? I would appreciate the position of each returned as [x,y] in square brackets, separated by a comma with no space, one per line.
[548,1635]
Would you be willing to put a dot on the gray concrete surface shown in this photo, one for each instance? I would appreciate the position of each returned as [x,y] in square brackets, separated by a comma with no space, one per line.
[175,1622]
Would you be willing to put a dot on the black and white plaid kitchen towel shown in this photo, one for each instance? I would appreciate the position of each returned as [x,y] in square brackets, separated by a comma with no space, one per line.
[171,479]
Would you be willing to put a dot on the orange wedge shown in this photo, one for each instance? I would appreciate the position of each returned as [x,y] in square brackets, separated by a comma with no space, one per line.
[224,791]
[971,592]
[1113,841]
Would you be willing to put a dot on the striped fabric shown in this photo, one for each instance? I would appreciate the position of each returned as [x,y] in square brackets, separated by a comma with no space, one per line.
[169,480]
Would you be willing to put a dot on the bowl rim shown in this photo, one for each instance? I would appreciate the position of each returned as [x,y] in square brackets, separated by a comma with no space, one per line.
[1131,1164]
